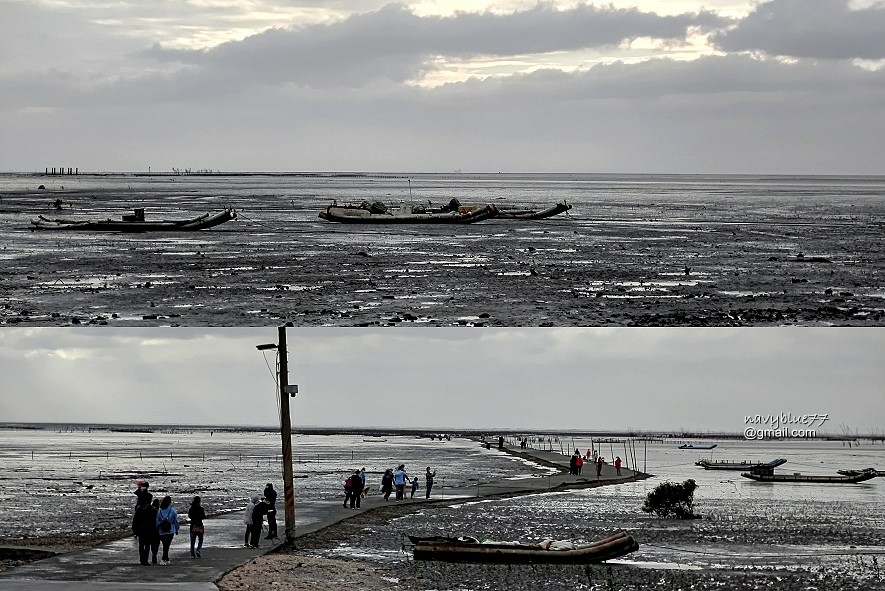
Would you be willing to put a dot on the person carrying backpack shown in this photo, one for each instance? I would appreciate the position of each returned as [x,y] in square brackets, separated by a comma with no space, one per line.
[167,525]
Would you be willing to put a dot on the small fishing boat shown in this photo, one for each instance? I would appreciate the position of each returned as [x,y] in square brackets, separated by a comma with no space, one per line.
[854,472]
[375,214]
[698,446]
[467,549]
[768,475]
[742,465]
[514,213]
[533,214]
[136,222]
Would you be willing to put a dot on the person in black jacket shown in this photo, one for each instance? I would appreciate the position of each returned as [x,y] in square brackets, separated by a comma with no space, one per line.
[196,514]
[270,496]
[257,521]
[356,489]
[144,525]
[387,483]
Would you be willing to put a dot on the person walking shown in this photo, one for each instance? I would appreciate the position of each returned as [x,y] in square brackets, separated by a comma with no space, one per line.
[258,513]
[599,462]
[348,490]
[387,483]
[579,463]
[167,525]
[196,514]
[155,541]
[144,526]
[142,495]
[428,482]
[618,465]
[414,486]
[571,466]
[356,490]
[363,478]
[399,481]
[247,519]
[270,495]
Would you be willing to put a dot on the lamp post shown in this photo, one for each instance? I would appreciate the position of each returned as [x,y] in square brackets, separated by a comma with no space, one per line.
[286,390]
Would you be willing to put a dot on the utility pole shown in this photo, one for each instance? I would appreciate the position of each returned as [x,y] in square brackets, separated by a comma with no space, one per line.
[286,432]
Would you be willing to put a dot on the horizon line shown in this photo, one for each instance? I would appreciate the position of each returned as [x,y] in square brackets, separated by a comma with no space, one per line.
[467,431]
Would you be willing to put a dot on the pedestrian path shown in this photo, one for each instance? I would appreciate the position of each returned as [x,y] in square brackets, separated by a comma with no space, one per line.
[114,563]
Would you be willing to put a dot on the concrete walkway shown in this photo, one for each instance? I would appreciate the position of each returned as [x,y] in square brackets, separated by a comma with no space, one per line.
[111,564]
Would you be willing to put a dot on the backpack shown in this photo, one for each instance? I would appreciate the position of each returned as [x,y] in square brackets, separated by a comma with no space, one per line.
[348,483]
[165,524]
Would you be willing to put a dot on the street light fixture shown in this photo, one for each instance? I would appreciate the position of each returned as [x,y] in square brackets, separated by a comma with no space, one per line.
[286,390]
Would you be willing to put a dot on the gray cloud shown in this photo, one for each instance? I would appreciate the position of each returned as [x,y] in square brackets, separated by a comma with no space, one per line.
[824,29]
[299,94]
[395,44]
[516,378]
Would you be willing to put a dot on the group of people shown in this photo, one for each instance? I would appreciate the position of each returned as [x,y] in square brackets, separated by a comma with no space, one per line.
[258,507]
[392,480]
[155,523]
[593,457]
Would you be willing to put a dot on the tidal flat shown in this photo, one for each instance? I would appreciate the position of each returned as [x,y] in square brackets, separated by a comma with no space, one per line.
[635,250]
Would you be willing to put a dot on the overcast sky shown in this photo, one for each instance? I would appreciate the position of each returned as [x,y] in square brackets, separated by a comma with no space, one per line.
[535,379]
[718,86]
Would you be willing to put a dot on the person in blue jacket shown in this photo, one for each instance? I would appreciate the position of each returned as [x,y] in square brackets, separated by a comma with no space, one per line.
[167,525]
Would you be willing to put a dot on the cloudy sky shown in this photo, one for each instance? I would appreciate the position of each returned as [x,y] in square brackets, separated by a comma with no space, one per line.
[719,86]
[535,379]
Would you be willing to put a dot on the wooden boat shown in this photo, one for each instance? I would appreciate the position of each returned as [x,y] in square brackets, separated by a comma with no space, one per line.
[373,215]
[766,475]
[137,223]
[529,214]
[472,550]
[511,213]
[742,465]
[698,446]
[853,472]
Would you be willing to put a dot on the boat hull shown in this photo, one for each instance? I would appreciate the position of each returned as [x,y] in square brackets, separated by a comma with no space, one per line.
[534,215]
[724,465]
[811,478]
[357,215]
[447,550]
[201,222]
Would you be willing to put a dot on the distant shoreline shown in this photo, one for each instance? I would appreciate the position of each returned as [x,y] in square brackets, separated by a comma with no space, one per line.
[559,434]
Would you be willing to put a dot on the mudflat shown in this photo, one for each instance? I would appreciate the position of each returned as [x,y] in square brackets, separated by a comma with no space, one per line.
[619,257]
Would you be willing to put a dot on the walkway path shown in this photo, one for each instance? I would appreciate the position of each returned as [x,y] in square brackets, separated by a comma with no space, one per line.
[108,565]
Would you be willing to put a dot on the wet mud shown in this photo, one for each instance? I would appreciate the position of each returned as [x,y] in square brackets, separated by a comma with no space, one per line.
[701,260]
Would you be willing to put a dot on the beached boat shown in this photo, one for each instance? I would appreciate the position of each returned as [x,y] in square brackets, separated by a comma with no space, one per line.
[742,465]
[767,475]
[378,214]
[514,213]
[698,446]
[136,222]
[549,551]
[854,472]
[505,212]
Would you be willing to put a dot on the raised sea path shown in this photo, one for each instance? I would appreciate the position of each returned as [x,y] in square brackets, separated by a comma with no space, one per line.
[111,564]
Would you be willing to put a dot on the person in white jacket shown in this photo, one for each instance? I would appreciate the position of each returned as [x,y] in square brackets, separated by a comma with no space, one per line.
[247,518]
